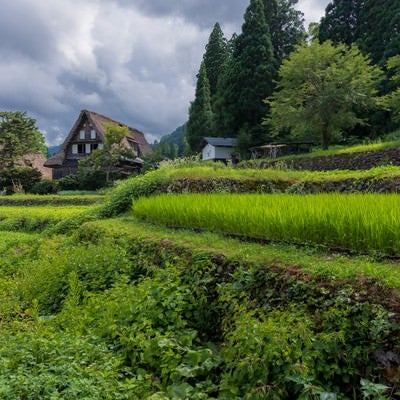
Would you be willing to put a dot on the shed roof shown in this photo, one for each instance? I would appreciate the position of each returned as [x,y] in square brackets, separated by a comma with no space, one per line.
[219,141]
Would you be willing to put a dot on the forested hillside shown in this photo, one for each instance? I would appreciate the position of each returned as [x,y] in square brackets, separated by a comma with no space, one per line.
[272,82]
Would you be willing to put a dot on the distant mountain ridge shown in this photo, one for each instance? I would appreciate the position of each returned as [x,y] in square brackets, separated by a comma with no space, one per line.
[172,145]
[53,149]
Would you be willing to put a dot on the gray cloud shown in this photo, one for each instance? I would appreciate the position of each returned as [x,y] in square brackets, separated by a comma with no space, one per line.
[134,61]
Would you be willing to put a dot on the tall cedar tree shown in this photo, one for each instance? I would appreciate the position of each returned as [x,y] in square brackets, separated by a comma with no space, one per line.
[341,22]
[286,25]
[200,113]
[215,57]
[372,25]
[248,78]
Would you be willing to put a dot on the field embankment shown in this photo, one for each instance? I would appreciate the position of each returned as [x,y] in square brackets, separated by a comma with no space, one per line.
[359,157]
[124,309]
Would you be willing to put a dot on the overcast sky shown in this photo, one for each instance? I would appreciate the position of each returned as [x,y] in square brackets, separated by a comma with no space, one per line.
[132,60]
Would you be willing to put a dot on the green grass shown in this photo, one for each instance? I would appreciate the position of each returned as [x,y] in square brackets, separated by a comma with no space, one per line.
[361,222]
[37,200]
[28,219]
[317,262]
[337,150]
[220,171]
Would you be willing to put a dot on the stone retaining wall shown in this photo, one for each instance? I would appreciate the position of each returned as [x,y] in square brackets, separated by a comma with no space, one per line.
[352,161]
[229,185]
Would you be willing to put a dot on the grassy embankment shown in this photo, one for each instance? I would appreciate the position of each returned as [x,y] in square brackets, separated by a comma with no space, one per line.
[120,309]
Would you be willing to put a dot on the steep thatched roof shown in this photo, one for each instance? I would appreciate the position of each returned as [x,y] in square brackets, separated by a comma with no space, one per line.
[99,122]
[37,161]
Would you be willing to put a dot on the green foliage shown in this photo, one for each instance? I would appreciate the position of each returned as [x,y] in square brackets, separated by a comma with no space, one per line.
[170,146]
[73,198]
[43,364]
[319,88]
[35,218]
[285,25]
[19,136]
[105,160]
[200,113]
[372,26]
[249,77]
[44,187]
[392,100]
[180,322]
[364,223]
[12,177]
[341,22]
[215,57]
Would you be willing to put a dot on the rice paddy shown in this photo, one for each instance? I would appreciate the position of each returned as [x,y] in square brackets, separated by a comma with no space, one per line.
[361,222]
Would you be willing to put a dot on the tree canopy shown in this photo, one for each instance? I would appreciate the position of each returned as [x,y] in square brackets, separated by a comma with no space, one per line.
[372,25]
[286,26]
[215,57]
[392,100]
[19,136]
[320,86]
[200,113]
[249,77]
[113,151]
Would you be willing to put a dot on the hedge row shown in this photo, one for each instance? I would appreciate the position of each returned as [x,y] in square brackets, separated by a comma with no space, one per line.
[39,200]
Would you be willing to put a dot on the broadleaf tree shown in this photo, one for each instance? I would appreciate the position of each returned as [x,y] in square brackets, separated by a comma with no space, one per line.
[19,136]
[319,87]
[113,152]
[392,100]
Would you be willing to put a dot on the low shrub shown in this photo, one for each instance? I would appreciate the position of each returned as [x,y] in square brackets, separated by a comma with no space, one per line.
[44,187]
[26,177]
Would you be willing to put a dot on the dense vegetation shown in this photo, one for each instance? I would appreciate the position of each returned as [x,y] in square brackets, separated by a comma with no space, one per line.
[365,222]
[339,85]
[101,308]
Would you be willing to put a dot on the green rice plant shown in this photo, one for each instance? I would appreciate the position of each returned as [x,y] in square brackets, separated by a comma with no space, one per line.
[74,199]
[360,222]
[35,218]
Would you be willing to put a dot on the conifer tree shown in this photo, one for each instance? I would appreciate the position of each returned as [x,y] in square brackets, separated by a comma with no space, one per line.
[215,57]
[200,113]
[249,77]
[341,21]
[286,25]
[372,25]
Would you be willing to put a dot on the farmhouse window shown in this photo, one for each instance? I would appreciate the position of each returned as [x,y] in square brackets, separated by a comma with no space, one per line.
[82,134]
[81,148]
[88,148]
[74,149]
[94,146]
[101,146]
[92,134]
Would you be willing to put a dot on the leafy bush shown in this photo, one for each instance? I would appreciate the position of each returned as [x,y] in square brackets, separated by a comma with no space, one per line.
[26,177]
[44,187]
[50,200]
[181,321]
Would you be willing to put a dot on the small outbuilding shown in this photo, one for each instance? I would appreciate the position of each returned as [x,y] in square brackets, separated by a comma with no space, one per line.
[218,149]
[274,150]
